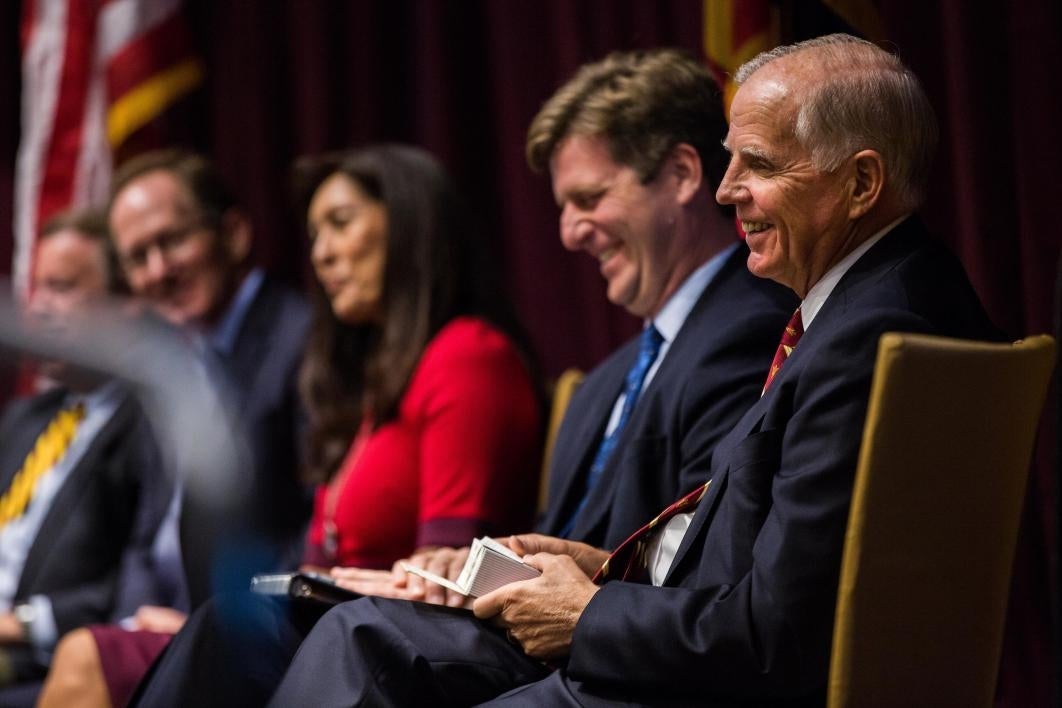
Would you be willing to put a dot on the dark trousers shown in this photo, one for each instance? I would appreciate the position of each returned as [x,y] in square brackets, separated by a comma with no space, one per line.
[382,653]
[20,695]
[375,652]
[233,651]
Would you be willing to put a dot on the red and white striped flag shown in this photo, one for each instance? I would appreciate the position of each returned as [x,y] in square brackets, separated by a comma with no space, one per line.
[734,32]
[93,72]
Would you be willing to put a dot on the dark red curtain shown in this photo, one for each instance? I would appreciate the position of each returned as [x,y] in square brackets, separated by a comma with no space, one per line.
[993,72]
[10,91]
[464,77]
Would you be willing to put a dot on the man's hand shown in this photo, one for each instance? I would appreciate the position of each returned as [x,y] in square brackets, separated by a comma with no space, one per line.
[444,562]
[398,584]
[10,629]
[166,620]
[588,558]
[541,614]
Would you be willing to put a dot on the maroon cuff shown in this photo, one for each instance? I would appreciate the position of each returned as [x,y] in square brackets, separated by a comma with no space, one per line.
[451,532]
[313,554]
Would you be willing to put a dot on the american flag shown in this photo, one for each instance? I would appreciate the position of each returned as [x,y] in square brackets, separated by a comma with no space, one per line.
[93,73]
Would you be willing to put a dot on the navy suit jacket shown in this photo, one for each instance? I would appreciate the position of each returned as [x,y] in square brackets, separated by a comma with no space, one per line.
[747,608]
[264,364]
[75,555]
[260,534]
[711,375]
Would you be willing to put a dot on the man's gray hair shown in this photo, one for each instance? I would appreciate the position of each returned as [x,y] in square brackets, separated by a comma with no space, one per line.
[865,99]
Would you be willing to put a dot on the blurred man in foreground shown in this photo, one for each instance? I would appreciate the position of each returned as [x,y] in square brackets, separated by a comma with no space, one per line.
[72,460]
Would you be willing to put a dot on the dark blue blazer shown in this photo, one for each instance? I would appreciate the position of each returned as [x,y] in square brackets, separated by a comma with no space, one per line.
[75,555]
[257,535]
[264,365]
[712,373]
[747,608]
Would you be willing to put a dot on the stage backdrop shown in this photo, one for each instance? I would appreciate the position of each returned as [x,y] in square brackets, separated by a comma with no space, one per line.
[463,79]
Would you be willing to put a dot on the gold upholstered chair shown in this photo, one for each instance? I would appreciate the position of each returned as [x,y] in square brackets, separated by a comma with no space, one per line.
[934,520]
[563,390]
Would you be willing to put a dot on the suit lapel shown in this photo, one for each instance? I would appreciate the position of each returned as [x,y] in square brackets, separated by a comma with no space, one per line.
[83,473]
[257,325]
[667,378]
[688,343]
[270,338]
[686,346]
[749,423]
[244,361]
[599,503]
[584,425]
[881,258]
[700,518]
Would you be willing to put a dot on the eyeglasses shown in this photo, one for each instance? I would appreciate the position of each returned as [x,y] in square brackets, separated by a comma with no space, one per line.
[168,242]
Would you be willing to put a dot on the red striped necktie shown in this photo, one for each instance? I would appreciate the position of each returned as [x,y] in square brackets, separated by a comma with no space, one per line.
[629,561]
[790,337]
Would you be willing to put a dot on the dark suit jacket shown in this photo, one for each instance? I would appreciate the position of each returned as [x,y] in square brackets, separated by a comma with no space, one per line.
[264,365]
[263,369]
[747,608]
[75,555]
[711,375]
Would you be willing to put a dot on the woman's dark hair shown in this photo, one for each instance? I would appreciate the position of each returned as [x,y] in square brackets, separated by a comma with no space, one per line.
[436,269]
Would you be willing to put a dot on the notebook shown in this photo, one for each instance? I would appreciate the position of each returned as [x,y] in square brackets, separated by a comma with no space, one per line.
[490,565]
[302,586]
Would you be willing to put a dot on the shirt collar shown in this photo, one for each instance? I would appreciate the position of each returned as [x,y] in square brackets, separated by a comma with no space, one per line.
[674,312]
[102,395]
[821,290]
[223,336]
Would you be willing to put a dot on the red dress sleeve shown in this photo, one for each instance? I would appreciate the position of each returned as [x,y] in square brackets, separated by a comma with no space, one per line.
[479,423]
[462,458]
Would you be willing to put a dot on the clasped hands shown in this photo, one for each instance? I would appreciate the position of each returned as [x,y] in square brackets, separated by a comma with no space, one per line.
[540,614]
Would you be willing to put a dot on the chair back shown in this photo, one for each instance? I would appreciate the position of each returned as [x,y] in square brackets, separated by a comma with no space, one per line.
[934,520]
[563,390]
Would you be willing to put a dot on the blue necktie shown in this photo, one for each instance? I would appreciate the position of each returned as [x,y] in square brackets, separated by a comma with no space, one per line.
[648,348]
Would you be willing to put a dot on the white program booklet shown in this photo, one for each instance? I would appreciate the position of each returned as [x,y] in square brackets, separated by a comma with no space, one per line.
[489,566]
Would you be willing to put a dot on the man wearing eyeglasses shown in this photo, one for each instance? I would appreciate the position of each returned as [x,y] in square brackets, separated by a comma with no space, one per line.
[183,244]
[184,255]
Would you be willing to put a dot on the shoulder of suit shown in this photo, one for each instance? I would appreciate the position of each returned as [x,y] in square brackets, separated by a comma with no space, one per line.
[282,297]
[281,311]
[20,410]
[736,279]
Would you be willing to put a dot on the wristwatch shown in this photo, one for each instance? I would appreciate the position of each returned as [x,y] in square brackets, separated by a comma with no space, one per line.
[26,614]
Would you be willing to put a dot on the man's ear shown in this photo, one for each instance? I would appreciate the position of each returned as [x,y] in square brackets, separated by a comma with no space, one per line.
[684,165]
[236,235]
[866,183]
